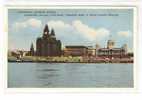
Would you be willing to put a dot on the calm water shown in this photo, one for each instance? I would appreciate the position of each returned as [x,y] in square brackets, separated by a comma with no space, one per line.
[69,75]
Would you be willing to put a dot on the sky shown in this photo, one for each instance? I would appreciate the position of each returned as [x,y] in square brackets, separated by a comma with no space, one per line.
[72,26]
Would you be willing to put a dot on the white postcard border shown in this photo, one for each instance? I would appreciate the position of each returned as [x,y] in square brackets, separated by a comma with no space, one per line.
[72,90]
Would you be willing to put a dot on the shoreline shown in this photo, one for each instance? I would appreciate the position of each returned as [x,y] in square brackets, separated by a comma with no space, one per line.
[30,59]
[69,62]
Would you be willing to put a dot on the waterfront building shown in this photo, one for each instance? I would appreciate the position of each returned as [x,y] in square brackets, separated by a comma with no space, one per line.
[48,45]
[32,52]
[97,46]
[110,44]
[18,53]
[111,51]
[76,50]
[91,51]
[14,53]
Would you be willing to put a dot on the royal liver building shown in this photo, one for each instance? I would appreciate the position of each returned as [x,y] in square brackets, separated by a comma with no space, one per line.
[48,45]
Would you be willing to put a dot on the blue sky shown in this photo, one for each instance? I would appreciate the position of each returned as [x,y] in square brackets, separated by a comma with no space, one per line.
[72,26]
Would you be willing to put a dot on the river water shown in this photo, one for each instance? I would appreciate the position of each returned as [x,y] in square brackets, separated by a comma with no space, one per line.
[70,75]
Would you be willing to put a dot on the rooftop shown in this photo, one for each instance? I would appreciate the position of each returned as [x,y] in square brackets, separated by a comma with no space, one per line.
[76,46]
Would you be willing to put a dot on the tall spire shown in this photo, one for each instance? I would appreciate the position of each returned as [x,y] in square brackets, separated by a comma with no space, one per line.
[52,32]
[46,29]
[32,50]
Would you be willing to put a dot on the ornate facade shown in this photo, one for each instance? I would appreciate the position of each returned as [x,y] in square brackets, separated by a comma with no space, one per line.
[111,51]
[75,50]
[48,45]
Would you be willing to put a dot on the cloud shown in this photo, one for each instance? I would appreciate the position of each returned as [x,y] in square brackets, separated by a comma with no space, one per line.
[58,24]
[124,33]
[34,23]
[75,26]
[88,32]
[84,30]
[79,28]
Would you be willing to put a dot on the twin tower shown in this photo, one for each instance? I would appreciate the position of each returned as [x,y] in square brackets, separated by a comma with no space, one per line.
[48,45]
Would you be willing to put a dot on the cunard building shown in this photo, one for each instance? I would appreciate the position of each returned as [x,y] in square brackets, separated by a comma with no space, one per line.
[48,45]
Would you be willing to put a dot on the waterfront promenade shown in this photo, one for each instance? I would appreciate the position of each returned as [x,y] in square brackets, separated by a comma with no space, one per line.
[70,59]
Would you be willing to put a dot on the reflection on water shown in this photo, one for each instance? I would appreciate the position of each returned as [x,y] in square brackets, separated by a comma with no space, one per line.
[69,75]
[46,75]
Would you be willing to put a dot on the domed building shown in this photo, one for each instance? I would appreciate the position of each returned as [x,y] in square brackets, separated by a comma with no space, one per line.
[48,45]
[111,51]
[110,44]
